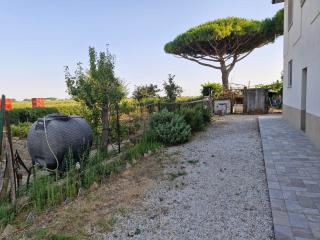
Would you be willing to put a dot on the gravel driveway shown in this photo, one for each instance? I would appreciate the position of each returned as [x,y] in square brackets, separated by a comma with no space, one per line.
[216,189]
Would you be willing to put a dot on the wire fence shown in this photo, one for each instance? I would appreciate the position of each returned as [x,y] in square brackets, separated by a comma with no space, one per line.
[129,125]
[126,127]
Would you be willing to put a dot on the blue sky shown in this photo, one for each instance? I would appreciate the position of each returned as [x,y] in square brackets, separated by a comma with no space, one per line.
[39,37]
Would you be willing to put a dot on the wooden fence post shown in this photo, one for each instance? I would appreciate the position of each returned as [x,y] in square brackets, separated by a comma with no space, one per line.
[10,160]
[3,100]
[5,178]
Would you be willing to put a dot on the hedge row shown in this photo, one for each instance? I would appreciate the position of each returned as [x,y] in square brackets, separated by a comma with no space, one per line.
[24,115]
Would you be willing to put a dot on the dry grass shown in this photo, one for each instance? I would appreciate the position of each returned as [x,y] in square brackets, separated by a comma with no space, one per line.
[95,211]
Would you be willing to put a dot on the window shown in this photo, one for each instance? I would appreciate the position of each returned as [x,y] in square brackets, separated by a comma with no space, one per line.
[290,14]
[290,74]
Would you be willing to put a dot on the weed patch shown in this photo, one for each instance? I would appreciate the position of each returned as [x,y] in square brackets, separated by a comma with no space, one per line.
[124,211]
[44,233]
[107,224]
[193,162]
[175,175]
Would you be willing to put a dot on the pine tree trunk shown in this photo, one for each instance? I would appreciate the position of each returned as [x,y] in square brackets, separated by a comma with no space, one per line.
[105,128]
[225,79]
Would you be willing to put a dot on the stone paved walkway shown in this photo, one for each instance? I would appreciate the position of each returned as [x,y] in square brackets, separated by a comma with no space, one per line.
[293,174]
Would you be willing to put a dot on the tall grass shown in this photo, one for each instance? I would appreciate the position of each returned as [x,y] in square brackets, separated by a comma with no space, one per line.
[49,190]
[146,144]
[21,129]
[7,214]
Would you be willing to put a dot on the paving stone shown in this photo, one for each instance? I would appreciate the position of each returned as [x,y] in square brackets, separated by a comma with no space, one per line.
[274,185]
[273,178]
[306,202]
[301,238]
[278,204]
[290,195]
[302,233]
[313,218]
[313,188]
[293,206]
[297,183]
[280,217]
[311,211]
[315,228]
[283,232]
[308,194]
[293,164]
[274,193]
[298,220]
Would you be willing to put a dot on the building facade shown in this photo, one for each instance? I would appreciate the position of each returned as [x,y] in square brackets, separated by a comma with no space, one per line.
[301,90]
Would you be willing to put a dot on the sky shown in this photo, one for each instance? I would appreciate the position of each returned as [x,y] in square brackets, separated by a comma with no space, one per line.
[39,37]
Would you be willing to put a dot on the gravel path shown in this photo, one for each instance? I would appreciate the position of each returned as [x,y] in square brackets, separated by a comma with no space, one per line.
[217,190]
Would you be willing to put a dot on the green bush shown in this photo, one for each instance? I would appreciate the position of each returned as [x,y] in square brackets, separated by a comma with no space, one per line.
[193,117]
[20,130]
[196,117]
[22,115]
[169,128]
[206,114]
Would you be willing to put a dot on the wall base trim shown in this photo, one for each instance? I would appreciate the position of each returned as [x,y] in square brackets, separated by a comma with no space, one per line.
[312,130]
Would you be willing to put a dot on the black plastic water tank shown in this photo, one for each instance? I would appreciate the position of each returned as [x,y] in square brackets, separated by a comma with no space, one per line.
[53,137]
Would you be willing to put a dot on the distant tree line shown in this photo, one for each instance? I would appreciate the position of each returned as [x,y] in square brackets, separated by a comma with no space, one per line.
[276,86]
[171,89]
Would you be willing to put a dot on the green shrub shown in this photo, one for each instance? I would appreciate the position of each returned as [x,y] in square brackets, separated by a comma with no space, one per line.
[193,117]
[169,128]
[206,114]
[196,117]
[20,130]
[161,118]
[22,115]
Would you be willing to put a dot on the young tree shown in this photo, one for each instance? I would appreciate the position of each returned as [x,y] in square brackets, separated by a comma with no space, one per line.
[224,42]
[171,89]
[146,91]
[98,88]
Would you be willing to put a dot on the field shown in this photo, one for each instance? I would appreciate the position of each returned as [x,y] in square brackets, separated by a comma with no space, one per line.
[61,105]
[69,103]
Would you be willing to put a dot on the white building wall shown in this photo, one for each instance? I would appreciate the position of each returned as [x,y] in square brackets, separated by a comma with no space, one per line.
[302,46]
